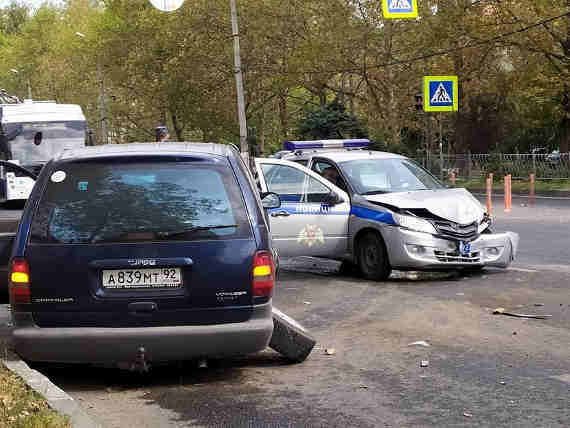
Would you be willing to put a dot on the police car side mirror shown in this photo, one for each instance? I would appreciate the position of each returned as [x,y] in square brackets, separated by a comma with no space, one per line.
[333,198]
[270,200]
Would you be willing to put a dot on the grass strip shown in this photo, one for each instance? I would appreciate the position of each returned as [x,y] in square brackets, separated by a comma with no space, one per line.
[21,407]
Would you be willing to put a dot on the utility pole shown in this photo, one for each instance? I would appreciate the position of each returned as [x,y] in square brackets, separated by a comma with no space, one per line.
[239,85]
[102,113]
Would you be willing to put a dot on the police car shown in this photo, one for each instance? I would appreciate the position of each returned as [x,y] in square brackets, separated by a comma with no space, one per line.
[379,211]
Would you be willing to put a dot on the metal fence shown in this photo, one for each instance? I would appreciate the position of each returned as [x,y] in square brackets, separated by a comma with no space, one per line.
[520,166]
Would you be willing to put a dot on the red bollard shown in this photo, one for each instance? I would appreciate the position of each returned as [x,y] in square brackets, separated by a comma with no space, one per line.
[531,198]
[508,199]
[510,192]
[489,190]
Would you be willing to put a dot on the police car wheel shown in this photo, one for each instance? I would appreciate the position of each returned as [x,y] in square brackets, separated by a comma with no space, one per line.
[373,258]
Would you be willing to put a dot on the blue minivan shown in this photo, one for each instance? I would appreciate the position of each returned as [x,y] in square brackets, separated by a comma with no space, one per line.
[143,253]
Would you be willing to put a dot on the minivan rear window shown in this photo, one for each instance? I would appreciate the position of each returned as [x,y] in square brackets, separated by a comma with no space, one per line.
[118,202]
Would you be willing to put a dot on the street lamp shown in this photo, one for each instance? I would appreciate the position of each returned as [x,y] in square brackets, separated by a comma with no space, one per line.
[16,71]
[102,114]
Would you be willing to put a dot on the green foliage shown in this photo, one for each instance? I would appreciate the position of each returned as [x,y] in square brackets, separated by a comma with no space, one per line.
[178,67]
[329,121]
[13,17]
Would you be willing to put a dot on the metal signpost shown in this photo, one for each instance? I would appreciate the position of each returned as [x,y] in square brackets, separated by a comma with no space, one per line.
[400,9]
[441,94]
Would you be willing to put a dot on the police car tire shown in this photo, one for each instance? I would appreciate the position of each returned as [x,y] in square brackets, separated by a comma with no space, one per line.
[290,338]
[382,270]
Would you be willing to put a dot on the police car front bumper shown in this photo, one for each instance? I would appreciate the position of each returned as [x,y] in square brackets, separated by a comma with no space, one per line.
[409,250]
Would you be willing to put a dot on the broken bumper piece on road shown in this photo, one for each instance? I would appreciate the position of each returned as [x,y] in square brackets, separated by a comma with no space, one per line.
[290,338]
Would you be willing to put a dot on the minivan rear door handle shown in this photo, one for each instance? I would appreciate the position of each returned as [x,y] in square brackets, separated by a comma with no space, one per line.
[142,307]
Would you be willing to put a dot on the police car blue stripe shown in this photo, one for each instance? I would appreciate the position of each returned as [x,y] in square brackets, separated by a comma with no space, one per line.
[376,215]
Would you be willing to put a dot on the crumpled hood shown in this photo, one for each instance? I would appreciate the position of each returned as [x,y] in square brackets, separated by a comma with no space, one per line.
[456,205]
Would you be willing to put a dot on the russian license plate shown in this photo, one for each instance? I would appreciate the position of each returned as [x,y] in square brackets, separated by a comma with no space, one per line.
[142,278]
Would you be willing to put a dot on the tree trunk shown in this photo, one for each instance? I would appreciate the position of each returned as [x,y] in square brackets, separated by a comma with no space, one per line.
[322,95]
[262,132]
[283,113]
[565,125]
[178,128]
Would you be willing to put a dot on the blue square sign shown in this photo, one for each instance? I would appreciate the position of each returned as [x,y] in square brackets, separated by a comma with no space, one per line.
[440,93]
[397,9]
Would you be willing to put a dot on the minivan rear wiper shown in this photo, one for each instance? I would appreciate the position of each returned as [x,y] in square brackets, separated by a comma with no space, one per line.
[169,234]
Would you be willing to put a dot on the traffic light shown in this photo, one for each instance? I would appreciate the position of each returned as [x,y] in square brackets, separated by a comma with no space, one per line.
[419,101]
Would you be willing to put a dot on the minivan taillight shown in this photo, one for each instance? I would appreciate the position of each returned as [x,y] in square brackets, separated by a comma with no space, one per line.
[20,282]
[263,274]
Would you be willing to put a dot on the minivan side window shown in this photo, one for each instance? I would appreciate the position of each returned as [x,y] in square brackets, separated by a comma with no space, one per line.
[116,202]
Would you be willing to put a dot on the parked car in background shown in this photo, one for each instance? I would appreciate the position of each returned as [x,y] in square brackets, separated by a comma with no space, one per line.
[142,253]
[375,210]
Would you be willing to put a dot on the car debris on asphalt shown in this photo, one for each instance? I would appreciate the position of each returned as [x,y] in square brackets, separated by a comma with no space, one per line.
[502,311]
[419,343]
[290,338]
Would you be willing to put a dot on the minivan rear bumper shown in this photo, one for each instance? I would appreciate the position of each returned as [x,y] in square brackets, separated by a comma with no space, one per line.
[161,344]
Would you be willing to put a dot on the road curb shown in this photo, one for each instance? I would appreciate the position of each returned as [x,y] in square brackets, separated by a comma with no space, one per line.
[57,398]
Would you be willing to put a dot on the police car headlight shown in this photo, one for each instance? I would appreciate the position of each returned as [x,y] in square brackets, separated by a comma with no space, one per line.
[414,223]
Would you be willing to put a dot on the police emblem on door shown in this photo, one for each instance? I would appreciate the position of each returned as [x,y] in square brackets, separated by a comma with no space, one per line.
[311,235]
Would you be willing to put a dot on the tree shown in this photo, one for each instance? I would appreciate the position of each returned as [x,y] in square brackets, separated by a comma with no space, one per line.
[330,121]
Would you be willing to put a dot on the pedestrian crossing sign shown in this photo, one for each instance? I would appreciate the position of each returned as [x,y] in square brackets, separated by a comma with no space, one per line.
[441,93]
[397,9]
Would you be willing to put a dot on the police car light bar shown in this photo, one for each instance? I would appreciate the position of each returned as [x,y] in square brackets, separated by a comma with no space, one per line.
[325,144]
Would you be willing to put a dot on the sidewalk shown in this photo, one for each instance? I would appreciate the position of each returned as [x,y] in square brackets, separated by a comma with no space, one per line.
[57,399]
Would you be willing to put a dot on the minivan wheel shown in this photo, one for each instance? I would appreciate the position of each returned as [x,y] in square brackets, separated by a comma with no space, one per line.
[373,258]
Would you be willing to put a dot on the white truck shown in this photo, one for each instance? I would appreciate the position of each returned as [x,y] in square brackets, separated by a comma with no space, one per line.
[31,133]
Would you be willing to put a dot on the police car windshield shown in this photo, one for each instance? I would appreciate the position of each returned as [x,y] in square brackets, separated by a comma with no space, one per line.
[375,176]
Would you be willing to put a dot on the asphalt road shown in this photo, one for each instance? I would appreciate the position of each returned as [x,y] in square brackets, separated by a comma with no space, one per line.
[484,369]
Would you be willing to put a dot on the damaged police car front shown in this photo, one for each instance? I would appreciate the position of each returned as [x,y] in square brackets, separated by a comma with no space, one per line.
[379,211]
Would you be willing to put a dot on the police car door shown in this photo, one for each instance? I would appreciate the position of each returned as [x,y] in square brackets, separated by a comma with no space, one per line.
[313,217]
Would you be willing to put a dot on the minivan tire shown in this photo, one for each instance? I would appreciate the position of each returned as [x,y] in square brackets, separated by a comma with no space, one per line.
[373,257]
